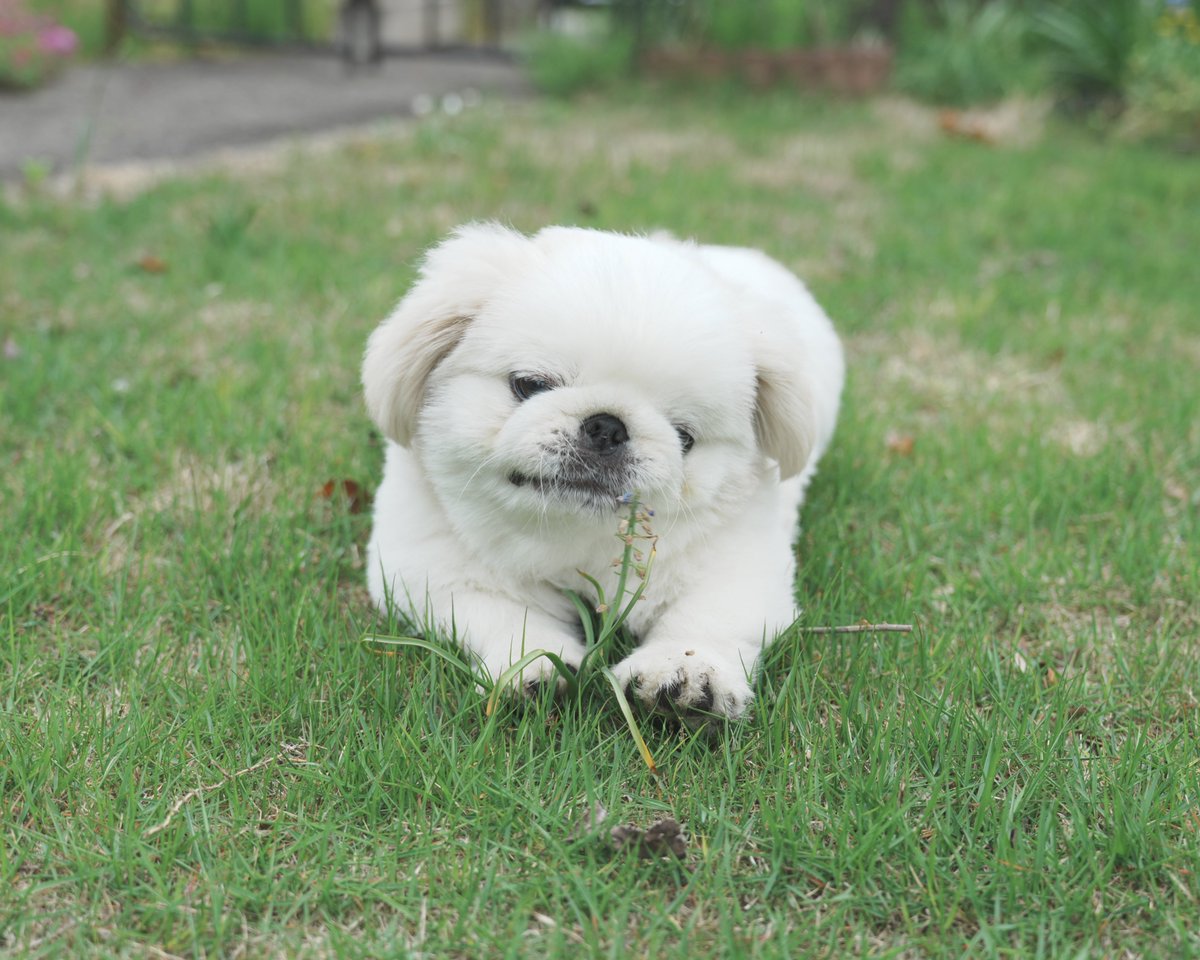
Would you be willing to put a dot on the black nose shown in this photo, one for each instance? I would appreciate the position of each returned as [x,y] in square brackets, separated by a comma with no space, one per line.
[603,432]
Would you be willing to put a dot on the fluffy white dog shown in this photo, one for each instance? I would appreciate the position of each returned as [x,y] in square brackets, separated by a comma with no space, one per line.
[528,385]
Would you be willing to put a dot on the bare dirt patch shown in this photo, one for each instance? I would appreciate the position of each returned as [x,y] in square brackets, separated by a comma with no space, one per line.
[205,487]
[937,373]
[1016,122]
[620,145]
[222,491]
[818,164]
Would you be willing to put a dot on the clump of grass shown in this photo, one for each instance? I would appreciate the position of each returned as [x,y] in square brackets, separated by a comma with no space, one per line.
[613,614]
[602,624]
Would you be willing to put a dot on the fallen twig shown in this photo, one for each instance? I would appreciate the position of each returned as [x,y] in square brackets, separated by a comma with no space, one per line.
[291,752]
[863,627]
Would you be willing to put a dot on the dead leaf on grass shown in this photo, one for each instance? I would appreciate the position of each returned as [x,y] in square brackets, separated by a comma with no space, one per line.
[1014,122]
[151,263]
[11,349]
[901,444]
[957,124]
[357,498]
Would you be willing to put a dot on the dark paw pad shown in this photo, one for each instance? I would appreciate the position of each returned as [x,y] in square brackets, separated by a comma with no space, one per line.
[682,701]
[667,698]
[704,702]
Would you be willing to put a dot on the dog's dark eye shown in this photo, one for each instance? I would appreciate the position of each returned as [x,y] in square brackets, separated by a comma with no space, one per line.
[525,387]
[686,440]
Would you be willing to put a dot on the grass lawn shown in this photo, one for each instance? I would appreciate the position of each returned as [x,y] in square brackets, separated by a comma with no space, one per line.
[199,758]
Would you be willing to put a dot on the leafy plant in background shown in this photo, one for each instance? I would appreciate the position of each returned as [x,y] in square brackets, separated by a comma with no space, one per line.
[1164,85]
[832,22]
[563,65]
[32,46]
[1090,46]
[775,24]
[963,53]
[734,26]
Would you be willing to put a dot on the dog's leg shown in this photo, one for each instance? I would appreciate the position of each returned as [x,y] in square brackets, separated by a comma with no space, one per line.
[497,632]
[698,656]
[682,668]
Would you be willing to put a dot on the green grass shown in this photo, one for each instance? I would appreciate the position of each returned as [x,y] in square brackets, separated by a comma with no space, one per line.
[178,602]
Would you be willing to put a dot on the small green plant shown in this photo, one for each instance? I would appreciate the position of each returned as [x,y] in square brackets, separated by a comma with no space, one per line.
[598,634]
[35,173]
[228,226]
[228,234]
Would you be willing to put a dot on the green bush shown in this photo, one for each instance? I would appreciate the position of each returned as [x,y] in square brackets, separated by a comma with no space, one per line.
[749,24]
[966,53]
[1090,46]
[774,24]
[562,65]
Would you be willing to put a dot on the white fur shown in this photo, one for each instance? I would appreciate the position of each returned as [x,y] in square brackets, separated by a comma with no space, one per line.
[657,333]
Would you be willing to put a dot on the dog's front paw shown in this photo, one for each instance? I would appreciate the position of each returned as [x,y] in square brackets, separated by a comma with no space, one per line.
[686,682]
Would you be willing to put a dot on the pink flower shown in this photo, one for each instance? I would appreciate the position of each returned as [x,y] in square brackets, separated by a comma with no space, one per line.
[57,40]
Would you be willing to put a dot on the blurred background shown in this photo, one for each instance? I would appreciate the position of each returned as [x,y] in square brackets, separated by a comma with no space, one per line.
[1129,65]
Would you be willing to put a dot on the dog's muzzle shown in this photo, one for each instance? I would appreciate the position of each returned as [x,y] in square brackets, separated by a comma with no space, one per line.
[594,467]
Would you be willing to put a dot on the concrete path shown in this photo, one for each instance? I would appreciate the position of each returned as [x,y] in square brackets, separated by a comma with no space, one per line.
[112,113]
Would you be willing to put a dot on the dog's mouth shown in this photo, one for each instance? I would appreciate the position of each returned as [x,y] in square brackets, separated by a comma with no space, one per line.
[593,491]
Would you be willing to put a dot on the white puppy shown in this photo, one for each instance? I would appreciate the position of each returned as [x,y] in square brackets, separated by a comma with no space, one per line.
[527,384]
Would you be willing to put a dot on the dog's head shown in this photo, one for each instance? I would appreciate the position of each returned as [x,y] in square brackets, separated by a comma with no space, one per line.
[562,371]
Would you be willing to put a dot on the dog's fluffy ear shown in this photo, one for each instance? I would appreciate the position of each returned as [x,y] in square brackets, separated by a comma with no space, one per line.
[796,353]
[456,278]
[784,416]
[800,375]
